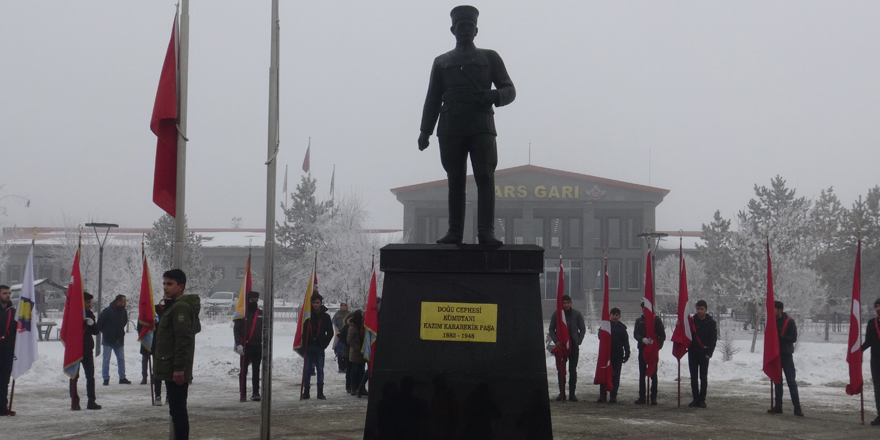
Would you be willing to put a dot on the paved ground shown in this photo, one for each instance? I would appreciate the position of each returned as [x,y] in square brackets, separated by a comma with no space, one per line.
[735,411]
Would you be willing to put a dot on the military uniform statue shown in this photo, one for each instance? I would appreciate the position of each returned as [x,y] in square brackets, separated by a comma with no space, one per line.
[460,93]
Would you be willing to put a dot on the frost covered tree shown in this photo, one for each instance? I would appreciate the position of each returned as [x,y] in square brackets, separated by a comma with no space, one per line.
[200,278]
[667,277]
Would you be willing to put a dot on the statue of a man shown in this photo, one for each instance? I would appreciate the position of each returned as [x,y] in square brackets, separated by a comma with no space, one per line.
[460,93]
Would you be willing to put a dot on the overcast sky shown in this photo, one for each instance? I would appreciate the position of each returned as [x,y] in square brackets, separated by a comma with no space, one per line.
[723,95]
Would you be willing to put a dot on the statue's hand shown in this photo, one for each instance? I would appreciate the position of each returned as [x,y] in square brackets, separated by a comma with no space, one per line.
[423,141]
[488,98]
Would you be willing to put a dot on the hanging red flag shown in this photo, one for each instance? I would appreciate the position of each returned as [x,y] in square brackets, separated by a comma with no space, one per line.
[371,323]
[72,325]
[306,159]
[854,354]
[681,336]
[164,126]
[146,308]
[604,370]
[772,361]
[563,337]
[651,352]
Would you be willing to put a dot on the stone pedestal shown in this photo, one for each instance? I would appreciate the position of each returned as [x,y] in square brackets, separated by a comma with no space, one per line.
[460,347]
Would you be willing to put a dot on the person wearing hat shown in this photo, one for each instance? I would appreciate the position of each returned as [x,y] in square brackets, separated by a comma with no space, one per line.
[872,341]
[460,93]
[249,345]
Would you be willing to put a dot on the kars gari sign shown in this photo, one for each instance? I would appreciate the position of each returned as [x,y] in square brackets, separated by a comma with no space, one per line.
[443,321]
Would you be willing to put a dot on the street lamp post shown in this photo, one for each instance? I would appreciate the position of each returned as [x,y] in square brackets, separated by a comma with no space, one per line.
[95,226]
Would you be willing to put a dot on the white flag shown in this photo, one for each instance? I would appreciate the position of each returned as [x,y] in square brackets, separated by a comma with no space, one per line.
[26,317]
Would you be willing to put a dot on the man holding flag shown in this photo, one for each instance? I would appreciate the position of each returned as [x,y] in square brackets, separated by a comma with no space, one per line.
[787,332]
[619,354]
[7,346]
[640,333]
[88,361]
[318,334]
[573,321]
[249,344]
[705,333]
[872,341]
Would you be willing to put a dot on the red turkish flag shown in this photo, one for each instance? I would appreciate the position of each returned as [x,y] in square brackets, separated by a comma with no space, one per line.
[164,125]
[650,353]
[72,325]
[604,370]
[563,337]
[772,362]
[854,352]
[681,336]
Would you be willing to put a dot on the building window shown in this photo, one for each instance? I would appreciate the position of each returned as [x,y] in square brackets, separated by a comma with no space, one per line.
[571,278]
[633,280]
[555,232]
[614,274]
[239,272]
[538,228]
[597,233]
[574,233]
[501,229]
[594,278]
[518,237]
[633,229]
[13,274]
[614,233]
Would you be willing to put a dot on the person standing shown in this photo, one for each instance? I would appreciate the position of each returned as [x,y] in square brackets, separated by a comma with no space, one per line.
[639,334]
[787,337]
[338,343]
[112,322]
[619,355]
[90,328]
[872,341]
[319,333]
[8,329]
[355,341]
[175,347]
[576,330]
[460,93]
[705,336]
[249,345]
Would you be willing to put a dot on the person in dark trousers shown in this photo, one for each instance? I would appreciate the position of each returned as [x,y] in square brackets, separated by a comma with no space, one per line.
[90,328]
[576,330]
[705,335]
[319,333]
[639,334]
[175,347]
[460,93]
[8,329]
[787,337]
[249,345]
[112,322]
[339,340]
[145,357]
[619,355]
[872,341]
[345,352]
[355,341]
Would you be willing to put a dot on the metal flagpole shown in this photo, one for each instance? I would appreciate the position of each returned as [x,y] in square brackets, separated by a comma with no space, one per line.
[269,258]
[180,196]
[680,240]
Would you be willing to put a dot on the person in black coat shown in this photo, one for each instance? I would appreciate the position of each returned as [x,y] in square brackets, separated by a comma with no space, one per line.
[576,331]
[319,333]
[90,328]
[704,331]
[619,355]
[249,345]
[8,328]
[787,331]
[639,334]
[872,341]
[112,322]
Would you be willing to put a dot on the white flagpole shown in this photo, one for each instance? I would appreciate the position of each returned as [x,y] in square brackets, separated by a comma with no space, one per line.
[180,196]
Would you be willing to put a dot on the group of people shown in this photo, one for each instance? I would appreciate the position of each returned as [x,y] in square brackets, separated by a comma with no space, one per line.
[704,336]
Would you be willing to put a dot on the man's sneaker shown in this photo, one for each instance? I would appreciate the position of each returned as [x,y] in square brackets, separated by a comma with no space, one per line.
[305,396]
[876,422]
[702,404]
[653,401]
[124,381]
[798,412]
[321,396]
[693,404]
[775,410]
[157,401]
[106,382]
[255,397]
[640,401]
[93,405]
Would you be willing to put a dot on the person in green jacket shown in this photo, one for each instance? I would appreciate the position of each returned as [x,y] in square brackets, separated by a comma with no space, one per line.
[175,347]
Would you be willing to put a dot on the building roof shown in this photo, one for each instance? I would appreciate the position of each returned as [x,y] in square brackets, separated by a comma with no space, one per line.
[585,177]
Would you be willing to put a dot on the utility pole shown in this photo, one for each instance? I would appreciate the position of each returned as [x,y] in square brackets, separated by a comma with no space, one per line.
[95,226]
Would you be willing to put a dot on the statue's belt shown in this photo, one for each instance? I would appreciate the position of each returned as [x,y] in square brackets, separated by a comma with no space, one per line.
[463,96]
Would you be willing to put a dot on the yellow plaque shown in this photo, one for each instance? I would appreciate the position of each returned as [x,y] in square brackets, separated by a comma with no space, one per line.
[445,321]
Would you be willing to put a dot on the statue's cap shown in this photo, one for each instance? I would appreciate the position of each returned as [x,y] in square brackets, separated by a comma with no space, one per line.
[464,12]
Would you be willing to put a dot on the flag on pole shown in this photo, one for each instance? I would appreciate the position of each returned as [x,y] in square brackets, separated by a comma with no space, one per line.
[72,326]
[681,336]
[27,337]
[306,159]
[854,354]
[332,180]
[146,308]
[604,370]
[305,312]
[563,337]
[164,125]
[772,361]
[650,353]
[371,322]
[246,284]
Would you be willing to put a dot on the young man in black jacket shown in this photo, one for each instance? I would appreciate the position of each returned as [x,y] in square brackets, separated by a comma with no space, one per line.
[319,333]
[112,322]
[88,361]
[576,332]
[787,331]
[872,341]
[249,345]
[705,335]
[619,354]
[639,333]
[8,329]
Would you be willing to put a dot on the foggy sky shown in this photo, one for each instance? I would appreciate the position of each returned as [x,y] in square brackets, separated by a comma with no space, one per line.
[723,95]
